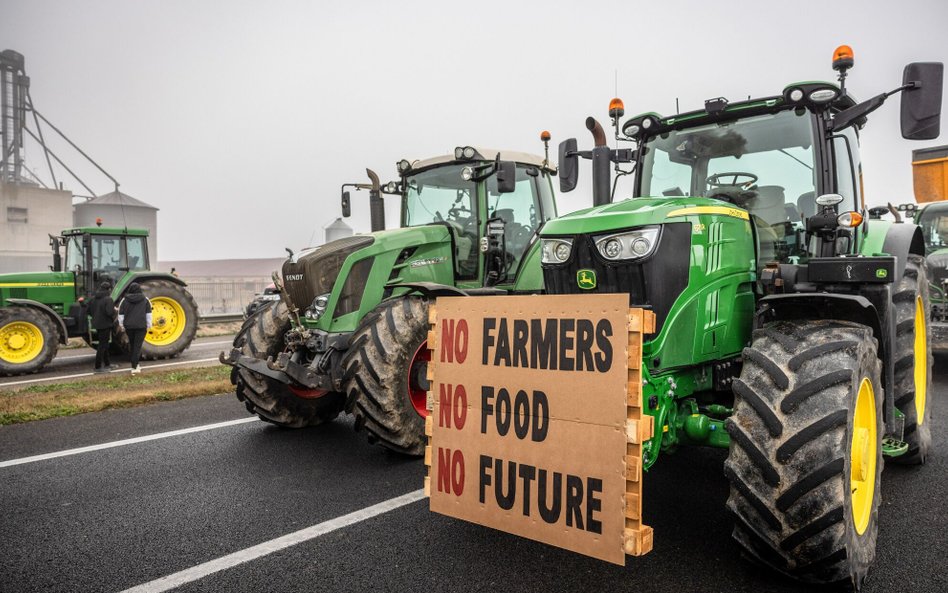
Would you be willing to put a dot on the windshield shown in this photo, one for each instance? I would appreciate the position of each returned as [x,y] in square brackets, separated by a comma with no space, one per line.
[764,164]
[765,156]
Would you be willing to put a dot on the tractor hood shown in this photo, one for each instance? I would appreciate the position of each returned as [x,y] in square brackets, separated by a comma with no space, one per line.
[638,212]
[355,271]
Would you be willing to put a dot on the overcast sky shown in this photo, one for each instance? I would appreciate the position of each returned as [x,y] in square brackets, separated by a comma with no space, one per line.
[241,119]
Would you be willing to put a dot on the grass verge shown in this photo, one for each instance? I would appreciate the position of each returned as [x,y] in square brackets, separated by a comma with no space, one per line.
[116,390]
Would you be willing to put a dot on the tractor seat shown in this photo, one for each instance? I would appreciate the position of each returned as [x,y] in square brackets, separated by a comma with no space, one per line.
[806,204]
[768,204]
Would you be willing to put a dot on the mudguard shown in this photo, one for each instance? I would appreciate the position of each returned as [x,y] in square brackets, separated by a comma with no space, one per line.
[900,241]
[56,317]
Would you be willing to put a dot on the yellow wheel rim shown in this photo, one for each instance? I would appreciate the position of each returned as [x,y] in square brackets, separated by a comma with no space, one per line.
[20,342]
[921,361]
[168,321]
[862,456]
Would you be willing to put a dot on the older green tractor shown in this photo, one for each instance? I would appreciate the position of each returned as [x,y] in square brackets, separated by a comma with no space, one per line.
[791,330]
[39,311]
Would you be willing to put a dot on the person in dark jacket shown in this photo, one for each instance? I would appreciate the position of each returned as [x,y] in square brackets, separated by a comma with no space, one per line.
[102,310]
[135,317]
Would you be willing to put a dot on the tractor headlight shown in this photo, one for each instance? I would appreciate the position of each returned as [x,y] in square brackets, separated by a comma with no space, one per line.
[556,251]
[633,244]
[316,310]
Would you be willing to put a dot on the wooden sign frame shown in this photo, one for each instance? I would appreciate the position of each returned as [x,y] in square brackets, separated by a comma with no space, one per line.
[636,537]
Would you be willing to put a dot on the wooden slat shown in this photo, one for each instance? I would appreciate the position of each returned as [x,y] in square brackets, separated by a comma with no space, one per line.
[639,428]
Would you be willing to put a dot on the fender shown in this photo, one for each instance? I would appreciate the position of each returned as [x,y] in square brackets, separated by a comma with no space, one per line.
[845,307]
[144,276]
[56,317]
[900,241]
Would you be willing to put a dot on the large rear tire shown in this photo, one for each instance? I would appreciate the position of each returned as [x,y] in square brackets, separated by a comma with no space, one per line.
[262,336]
[386,367]
[913,360]
[28,340]
[174,318]
[805,459]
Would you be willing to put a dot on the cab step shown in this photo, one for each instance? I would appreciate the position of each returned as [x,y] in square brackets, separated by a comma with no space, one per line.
[892,447]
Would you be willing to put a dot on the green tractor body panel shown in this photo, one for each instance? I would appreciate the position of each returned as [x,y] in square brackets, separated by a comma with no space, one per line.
[873,240]
[54,289]
[710,318]
[430,261]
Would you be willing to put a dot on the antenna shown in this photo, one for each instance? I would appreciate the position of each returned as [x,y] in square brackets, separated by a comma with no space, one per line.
[677,112]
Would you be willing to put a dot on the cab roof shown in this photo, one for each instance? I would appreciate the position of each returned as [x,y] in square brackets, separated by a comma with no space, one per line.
[483,154]
[97,230]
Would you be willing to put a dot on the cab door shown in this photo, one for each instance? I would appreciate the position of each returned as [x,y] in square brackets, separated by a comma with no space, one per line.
[513,220]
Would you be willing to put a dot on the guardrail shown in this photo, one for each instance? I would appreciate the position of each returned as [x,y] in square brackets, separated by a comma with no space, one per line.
[220,318]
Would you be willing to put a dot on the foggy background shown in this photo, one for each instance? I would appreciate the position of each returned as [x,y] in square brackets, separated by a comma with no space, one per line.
[241,119]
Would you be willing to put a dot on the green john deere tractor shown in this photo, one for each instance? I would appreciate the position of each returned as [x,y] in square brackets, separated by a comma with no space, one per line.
[790,330]
[41,310]
[350,330]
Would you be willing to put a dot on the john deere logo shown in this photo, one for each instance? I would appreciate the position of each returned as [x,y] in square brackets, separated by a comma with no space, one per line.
[882,273]
[586,279]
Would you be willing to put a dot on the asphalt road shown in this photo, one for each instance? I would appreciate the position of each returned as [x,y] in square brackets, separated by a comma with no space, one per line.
[80,361]
[116,518]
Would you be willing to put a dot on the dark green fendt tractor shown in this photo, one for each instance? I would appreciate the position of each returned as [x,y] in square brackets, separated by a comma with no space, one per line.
[790,329]
[350,331]
[41,310]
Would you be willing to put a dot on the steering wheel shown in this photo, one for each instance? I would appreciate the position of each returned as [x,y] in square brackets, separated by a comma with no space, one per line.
[716,181]
[735,187]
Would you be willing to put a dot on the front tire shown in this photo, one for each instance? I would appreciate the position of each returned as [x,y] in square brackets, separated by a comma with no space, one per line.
[386,366]
[262,336]
[28,340]
[805,459]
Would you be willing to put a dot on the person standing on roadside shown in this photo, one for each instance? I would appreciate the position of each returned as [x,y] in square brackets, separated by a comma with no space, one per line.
[135,317]
[103,313]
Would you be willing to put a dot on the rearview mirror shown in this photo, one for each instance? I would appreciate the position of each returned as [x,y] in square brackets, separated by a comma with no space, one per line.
[921,106]
[569,165]
[346,205]
[506,177]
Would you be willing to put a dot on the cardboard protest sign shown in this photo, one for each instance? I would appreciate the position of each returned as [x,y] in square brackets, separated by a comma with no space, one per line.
[535,418]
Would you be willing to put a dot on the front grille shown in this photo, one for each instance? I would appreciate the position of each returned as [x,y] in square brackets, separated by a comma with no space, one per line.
[314,273]
[654,282]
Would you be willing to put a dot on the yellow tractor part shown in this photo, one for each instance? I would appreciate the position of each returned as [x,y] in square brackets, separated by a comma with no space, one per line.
[168,321]
[862,456]
[930,174]
[20,342]
[921,361]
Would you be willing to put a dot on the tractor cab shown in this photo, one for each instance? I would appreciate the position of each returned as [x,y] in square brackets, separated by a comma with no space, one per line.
[493,209]
[97,254]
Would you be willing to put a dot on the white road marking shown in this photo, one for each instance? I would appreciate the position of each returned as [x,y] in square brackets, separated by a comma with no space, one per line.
[122,443]
[78,375]
[91,353]
[274,545]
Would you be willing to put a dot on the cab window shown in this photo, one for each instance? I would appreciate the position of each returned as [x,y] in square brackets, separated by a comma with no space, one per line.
[135,248]
[520,211]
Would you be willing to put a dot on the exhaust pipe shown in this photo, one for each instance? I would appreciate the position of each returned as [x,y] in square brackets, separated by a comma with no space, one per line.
[600,163]
[376,203]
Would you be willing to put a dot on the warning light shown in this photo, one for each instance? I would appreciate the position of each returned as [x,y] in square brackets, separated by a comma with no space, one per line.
[98,222]
[545,136]
[616,108]
[843,58]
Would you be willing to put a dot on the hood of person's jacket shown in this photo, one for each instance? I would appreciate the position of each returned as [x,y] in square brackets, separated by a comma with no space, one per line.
[135,297]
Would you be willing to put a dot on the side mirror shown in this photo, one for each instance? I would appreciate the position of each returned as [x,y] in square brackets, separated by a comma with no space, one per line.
[506,177]
[346,205]
[921,106]
[569,165]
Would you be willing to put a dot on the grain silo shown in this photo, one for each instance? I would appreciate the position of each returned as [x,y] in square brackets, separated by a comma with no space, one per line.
[337,230]
[122,211]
